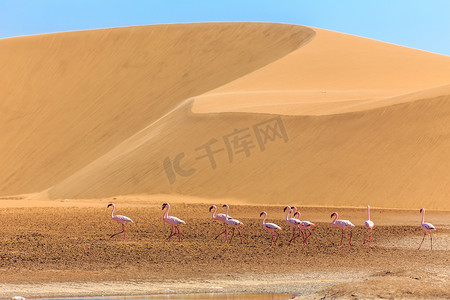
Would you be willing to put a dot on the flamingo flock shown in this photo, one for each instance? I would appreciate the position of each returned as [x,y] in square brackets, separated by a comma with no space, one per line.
[291,218]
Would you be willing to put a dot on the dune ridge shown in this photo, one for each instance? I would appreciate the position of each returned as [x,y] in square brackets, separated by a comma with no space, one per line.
[329,75]
[363,131]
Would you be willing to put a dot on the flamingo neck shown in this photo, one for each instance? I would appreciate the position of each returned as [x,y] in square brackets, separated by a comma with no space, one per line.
[368,212]
[226,213]
[423,216]
[294,210]
[112,211]
[335,218]
[214,212]
[288,212]
[166,213]
[264,219]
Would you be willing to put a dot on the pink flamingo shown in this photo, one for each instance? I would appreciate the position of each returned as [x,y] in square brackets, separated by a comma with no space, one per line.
[173,221]
[294,213]
[342,224]
[304,225]
[427,227]
[220,217]
[293,222]
[369,226]
[271,227]
[119,219]
[233,223]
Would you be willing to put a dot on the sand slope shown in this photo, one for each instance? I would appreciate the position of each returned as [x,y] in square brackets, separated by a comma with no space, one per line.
[66,99]
[371,125]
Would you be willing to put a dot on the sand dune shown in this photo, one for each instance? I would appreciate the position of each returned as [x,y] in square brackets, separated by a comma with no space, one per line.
[334,73]
[259,113]
[66,99]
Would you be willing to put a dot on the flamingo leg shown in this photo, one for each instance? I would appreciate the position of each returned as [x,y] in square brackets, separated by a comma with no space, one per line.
[224,231]
[342,238]
[422,240]
[278,235]
[232,236]
[431,237]
[366,235]
[351,234]
[123,230]
[305,241]
[370,237]
[171,233]
[300,231]
[240,235]
[180,236]
[271,241]
[293,235]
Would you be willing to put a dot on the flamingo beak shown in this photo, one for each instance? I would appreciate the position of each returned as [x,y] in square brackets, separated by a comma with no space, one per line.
[109,205]
[261,214]
[210,208]
[285,208]
[332,215]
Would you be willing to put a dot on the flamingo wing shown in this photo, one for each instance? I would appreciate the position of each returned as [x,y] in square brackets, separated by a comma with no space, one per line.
[223,217]
[293,222]
[344,223]
[307,224]
[234,222]
[272,226]
[122,219]
[369,224]
[428,226]
[174,220]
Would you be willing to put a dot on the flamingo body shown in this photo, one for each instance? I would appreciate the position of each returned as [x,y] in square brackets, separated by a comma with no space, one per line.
[303,227]
[119,219]
[343,225]
[369,226]
[233,223]
[173,221]
[292,221]
[271,227]
[427,228]
[221,218]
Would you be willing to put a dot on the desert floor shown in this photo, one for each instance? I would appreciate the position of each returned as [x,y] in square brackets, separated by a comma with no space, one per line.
[65,249]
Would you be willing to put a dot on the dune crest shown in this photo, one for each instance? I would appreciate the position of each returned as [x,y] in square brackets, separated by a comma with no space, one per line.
[333,73]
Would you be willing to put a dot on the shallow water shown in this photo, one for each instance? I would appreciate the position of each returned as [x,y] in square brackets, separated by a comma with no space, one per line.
[218,296]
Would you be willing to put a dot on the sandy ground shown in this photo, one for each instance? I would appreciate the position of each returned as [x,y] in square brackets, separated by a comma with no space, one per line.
[67,251]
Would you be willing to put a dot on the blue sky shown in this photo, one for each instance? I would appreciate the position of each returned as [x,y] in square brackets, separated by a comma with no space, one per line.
[418,24]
